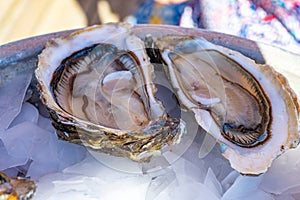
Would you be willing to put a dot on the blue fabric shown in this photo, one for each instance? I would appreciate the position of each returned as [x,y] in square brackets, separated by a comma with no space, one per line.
[166,14]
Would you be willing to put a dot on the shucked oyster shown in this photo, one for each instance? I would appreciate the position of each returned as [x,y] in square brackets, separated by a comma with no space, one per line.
[249,108]
[98,86]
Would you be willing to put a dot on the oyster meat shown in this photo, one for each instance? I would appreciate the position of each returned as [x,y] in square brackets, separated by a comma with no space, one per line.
[98,84]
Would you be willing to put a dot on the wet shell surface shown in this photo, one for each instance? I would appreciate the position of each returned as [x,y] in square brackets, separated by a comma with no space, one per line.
[98,84]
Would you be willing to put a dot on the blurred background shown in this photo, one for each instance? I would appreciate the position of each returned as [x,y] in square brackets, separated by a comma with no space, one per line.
[25,18]
[276,22]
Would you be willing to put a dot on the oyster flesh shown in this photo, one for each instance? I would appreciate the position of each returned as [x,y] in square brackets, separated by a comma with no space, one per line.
[98,84]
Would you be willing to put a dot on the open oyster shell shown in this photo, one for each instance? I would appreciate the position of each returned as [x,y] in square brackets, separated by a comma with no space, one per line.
[98,84]
[249,108]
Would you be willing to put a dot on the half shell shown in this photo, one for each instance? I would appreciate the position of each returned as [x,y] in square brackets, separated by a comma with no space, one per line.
[98,85]
[249,108]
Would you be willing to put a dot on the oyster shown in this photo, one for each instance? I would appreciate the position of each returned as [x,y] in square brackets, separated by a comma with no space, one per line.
[98,84]
[249,108]
[16,188]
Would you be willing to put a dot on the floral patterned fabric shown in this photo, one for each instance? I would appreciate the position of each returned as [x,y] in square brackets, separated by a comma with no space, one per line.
[276,22]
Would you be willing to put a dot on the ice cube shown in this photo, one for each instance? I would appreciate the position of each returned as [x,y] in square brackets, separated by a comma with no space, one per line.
[9,161]
[45,123]
[284,174]
[246,187]
[229,180]
[69,154]
[284,197]
[28,113]
[191,190]
[212,183]
[11,97]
